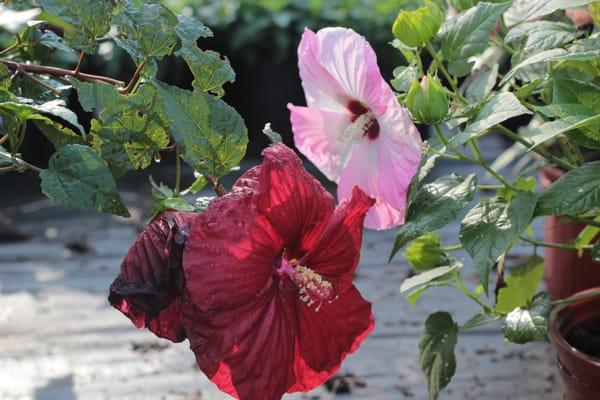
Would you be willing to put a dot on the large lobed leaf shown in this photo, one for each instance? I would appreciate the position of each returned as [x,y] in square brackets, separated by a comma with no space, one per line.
[530,323]
[576,192]
[434,206]
[467,34]
[78,177]
[501,107]
[491,227]
[130,129]
[90,20]
[436,349]
[212,134]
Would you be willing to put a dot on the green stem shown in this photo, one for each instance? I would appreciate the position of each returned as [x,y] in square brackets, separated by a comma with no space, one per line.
[537,149]
[490,187]
[584,221]
[16,161]
[449,249]
[177,171]
[573,299]
[472,296]
[440,135]
[134,79]
[481,161]
[440,65]
[564,246]
[3,139]
[419,62]
[484,322]
[445,155]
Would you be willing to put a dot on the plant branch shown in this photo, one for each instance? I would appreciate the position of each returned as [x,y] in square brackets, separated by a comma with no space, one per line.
[440,65]
[584,221]
[3,139]
[134,79]
[217,185]
[537,149]
[79,63]
[573,299]
[448,249]
[38,81]
[60,72]
[564,246]
[19,161]
[177,171]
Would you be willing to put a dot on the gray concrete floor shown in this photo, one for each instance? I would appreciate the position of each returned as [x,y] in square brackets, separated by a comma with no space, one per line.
[61,340]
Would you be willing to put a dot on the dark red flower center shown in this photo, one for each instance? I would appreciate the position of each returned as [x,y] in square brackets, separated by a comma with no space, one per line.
[364,122]
[313,289]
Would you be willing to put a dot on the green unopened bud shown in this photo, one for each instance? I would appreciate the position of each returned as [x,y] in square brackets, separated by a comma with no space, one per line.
[427,102]
[414,28]
[425,252]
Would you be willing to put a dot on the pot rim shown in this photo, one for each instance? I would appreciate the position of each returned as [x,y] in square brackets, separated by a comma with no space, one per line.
[558,339]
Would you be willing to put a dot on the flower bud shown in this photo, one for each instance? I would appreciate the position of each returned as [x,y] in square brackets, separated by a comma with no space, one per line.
[425,252]
[427,102]
[414,28]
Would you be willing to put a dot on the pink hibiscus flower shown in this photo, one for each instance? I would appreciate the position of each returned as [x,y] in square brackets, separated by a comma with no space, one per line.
[260,284]
[353,129]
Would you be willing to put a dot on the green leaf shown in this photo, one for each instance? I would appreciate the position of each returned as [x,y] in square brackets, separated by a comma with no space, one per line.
[203,202]
[428,276]
[467,34]
[482,85]
[436,349]
[57,134]
[491,227]
[541,57]
[55,108]
[425,252]
[461,67]
[569,91]
[529,324]
[545,7]
[499,108]
[435,205]
[274,137]
[552,129]
[212,134]
[541,35]
[210,71]
[162,198]
[596,252]
[90,20]
[147,31]
[78,177]
[53,41]
[521,285]
[426,164]
[190,29]
[403,78]
[576,192]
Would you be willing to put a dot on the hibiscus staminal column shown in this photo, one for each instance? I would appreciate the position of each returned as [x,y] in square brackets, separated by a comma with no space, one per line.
[268,271]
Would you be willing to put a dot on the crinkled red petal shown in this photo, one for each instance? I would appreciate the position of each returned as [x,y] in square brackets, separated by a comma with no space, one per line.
[297,205]
[337,251]
[249,351]
[328,336]
[150,283]
[230,254]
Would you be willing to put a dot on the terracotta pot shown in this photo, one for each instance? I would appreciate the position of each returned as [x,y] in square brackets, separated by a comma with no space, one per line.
[566,272]
[580,372]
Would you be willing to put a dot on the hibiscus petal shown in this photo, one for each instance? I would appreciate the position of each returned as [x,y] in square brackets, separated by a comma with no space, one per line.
[150,283]
[248,352]
[321,88]
[329,335]
[383,169]
[316,135]
[297,205]
[348,59]
[337,252]
[230,254]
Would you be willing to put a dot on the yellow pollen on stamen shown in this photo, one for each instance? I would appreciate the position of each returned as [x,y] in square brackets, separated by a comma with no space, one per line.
[312,287]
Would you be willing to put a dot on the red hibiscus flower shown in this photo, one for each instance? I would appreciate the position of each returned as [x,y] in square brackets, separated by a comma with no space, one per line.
[148,289]
[263,290]
[268,272]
